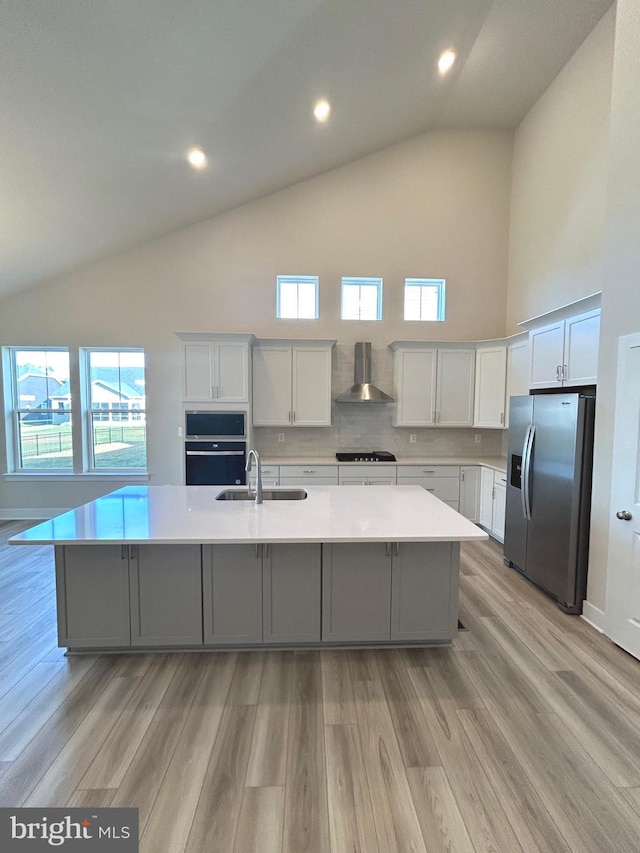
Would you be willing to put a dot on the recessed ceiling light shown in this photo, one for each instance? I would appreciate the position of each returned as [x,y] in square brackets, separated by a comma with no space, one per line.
[197,158]
[446,61]
[321,110]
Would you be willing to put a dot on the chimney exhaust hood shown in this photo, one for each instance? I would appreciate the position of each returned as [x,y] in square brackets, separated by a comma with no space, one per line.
[363,391]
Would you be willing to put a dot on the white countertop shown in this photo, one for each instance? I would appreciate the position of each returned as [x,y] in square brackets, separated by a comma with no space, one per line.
[498,462]
[191,514]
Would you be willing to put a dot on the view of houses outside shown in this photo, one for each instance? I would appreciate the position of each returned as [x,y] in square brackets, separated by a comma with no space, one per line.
[115,404]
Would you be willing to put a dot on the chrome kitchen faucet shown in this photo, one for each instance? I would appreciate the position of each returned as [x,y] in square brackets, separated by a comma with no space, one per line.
[247,468]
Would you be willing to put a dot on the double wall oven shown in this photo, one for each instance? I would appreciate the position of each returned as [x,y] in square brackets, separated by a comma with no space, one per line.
[215,448]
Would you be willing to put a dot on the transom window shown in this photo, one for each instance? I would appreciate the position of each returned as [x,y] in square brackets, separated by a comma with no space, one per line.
[361,299]
[424,298]
[297,297]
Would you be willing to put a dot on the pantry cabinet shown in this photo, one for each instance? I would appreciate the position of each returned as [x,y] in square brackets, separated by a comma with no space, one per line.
[292,384]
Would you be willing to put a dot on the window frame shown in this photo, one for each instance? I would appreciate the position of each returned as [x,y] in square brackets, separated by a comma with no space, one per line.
[298,279]
[89,410]
[80,404]
[362,282]
[439,284]
[13,410]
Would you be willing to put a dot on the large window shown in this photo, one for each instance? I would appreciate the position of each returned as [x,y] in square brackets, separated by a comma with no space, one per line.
[116,409]
[297,297]
[424,299]
[75,411]
[41,406]
[361,299]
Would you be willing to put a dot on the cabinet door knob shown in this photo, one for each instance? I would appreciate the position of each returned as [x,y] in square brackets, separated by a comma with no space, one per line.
[624,515]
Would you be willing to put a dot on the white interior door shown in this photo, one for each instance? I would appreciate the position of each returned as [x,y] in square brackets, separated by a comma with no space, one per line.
[623,583]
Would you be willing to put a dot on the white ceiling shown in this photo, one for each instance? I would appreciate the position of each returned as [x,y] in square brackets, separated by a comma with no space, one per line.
[100,99]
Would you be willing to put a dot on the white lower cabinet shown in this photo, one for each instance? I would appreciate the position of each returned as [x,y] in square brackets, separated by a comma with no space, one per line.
[493,496]
[443,481]
[470,491]
[129,595]
[309,475]
[373,474]
[389,592]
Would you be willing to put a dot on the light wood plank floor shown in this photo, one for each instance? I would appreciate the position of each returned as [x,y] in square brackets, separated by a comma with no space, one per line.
[525,736]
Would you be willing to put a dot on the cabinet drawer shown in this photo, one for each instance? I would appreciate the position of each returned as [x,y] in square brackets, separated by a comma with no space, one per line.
[308,481]
[445,488]
[499,478]
[428,471]
[309,473]
[271,471]
[373,471]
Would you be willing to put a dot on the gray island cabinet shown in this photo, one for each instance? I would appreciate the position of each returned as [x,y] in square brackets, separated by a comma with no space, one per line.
[169,567]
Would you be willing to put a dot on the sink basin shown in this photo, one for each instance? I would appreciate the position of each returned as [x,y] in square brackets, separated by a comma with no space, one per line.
[267,495]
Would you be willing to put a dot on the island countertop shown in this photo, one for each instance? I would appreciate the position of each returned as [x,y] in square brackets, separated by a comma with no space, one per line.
[136,515]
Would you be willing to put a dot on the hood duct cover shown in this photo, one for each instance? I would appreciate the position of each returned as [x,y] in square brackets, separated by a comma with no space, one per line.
[363,391]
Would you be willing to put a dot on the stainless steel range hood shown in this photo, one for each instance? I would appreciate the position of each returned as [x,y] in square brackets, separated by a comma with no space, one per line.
[363,391]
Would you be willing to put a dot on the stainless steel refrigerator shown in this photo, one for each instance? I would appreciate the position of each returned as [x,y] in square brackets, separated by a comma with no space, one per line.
[549,492]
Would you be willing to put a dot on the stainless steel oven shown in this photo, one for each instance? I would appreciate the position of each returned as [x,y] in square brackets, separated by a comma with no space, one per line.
[215,463]
[215,448]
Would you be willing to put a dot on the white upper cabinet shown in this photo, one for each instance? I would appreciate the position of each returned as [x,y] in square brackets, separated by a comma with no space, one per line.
[292,384]
[581,347]
[415,387]
[564,353]
[215,370]
[490,389]
[433,386]
[454,387]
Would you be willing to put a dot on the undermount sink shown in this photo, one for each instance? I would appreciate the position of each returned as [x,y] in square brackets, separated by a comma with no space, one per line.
[267,495]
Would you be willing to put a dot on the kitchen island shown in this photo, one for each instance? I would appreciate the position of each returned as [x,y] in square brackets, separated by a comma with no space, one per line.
[173,567]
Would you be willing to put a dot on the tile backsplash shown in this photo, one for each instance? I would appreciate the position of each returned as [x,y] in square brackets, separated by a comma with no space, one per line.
[363,426]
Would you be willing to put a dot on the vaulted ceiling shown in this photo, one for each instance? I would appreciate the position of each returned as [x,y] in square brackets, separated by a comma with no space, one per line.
[99,102]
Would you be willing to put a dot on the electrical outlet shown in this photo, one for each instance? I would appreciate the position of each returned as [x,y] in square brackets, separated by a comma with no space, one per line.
[478,437]
[412,438]
[280,436]
[179,432]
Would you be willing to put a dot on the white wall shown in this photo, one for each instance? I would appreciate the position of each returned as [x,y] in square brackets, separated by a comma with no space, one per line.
[621,270]
[437,205]
[560,227]
[560,173]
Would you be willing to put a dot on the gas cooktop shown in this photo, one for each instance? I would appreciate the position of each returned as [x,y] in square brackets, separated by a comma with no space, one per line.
[366,456]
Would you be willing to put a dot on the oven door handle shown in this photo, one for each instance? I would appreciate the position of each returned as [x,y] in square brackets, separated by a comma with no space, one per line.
[215,452]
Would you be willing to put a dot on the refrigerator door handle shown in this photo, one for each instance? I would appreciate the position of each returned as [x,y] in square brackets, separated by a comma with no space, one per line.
[526,471]
[525,444]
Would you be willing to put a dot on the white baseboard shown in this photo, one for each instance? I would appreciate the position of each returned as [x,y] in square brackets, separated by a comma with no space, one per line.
[21,514]
[594,616]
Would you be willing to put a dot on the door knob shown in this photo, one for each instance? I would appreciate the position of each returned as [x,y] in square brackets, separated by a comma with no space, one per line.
[624,515]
